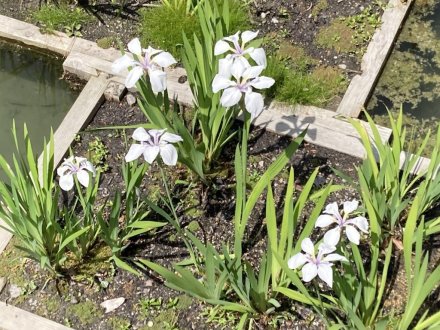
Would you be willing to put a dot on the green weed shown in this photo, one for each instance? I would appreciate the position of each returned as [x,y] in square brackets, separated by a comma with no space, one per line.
[162,28]
[98,153]
[53,18]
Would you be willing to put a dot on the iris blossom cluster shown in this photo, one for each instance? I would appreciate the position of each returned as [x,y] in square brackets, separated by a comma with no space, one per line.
[78,167]
[153,143]
[144,61]
[237,77]
[321,264]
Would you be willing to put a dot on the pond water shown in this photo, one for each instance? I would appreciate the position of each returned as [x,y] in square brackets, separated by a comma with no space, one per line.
[411,78]
[31,92]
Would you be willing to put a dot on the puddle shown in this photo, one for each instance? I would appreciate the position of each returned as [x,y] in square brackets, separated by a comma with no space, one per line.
[411,78]
[31,92]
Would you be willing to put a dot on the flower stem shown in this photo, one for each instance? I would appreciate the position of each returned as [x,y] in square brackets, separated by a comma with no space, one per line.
[175,220]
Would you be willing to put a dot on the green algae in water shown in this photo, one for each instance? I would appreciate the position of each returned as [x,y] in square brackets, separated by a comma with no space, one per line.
[31,92]
[411,77]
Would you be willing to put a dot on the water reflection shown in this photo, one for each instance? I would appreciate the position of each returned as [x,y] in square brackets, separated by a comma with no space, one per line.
[411,77]
[31,92]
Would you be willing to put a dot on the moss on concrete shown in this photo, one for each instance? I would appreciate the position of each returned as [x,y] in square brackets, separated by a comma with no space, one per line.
[105,42]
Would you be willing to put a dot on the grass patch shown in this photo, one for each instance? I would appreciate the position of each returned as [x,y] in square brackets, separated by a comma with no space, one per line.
[162,27]
[61,17]
[297,78]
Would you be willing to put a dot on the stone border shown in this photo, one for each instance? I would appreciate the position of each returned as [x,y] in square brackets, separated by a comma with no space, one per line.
[85,59]
[18,319]
[373,61]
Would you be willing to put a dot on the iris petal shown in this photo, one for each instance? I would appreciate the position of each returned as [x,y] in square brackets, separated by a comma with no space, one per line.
[220,82]
[325,273]
[140,134]
[133,76]
[134,47]
[324,220]
[164,59]
[221,47]
[254,104]
[309,272]
[352,234]
[66,182]
[123,63]
[171,138]
[158,80]
[297,261]
[262,82]
[307,246]
[169,154]
[259,56]
[333,236]
[230,97]
[350,206]
[83,178]
[247,36]
[135,151]
[150,153]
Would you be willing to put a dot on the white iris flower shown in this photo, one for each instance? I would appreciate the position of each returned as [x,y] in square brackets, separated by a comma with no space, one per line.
[312,265]
[237,50]
[351,226]
[153,143]
[78,166]
[246,78]
[149,60]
